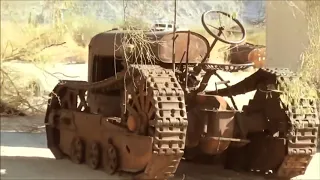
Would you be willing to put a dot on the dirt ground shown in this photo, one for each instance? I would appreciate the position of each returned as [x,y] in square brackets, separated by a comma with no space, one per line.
[24,156]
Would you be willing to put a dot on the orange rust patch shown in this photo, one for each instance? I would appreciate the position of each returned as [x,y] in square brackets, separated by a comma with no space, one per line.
[132,123]
[258,57]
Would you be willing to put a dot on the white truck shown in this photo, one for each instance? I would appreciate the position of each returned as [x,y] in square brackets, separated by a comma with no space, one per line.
[165,26]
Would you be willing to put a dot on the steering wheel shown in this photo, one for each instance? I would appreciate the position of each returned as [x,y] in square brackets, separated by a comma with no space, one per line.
[221,28]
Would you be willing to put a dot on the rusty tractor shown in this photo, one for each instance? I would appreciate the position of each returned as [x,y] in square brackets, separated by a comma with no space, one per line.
[143,117]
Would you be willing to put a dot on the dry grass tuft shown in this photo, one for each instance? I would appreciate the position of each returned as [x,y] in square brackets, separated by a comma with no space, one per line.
[308,85]
[310,79]
[33,42]
[137,46]
[311,60]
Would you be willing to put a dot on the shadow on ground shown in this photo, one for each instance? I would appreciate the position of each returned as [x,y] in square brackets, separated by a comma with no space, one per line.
[48,168]
[192,171]
[25,156]
[23,139]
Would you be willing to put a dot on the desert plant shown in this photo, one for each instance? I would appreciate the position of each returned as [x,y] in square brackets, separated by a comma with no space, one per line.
[311,61]
[311,58]
[33,42]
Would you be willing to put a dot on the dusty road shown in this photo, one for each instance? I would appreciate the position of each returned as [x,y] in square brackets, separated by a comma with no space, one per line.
[24,156]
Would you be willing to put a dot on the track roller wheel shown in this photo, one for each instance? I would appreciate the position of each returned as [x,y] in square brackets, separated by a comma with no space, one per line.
[111,162]
[94,155]
[77,150]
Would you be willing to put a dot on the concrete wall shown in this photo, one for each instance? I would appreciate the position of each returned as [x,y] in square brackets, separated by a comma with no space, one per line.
[286,34]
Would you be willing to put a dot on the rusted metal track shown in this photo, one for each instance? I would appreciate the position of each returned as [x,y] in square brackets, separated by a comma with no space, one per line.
[302,136]
[299,123]
[167,119]
[170,122]
[302,125]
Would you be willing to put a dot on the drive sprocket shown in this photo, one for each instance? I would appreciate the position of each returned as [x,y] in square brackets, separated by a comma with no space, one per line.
[156,105]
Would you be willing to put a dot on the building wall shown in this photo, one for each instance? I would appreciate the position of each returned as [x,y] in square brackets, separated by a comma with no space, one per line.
[286,33]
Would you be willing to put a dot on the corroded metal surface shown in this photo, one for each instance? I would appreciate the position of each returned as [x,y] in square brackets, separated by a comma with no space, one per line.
[247,53]
[160,42]
[161,105]
[296,126]
[158,104]
[145,118]
[168,126]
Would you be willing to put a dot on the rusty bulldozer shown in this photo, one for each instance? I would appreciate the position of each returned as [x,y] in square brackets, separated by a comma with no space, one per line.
[143,117]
